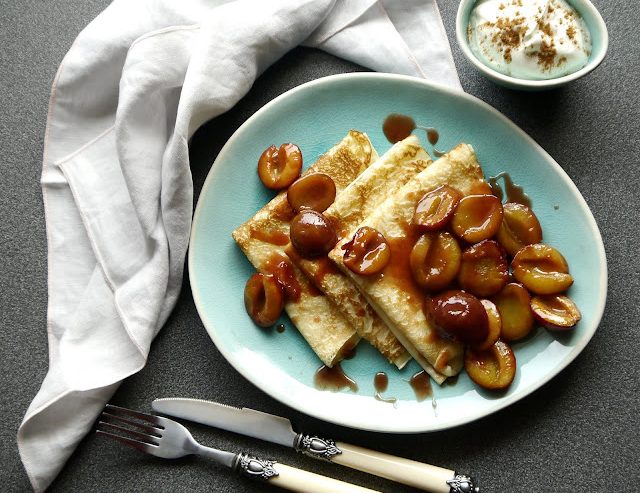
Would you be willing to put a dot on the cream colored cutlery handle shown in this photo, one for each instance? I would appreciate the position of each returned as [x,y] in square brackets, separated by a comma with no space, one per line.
[405,471]
[294,479]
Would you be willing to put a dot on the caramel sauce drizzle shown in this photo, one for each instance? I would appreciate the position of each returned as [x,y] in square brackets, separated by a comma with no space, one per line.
[421,385]
[514,192]
[334,379]
[432,135]
[381,383]
[283,211]
[397,127]
[281,269]
[398,270]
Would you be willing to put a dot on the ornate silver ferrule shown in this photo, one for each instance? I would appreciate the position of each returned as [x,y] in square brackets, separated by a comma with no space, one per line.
[461,483]
[320,448]
[253,467]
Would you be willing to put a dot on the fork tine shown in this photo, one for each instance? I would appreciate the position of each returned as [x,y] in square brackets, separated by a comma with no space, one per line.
[144,447]
[149,418]
[151,430]
[151,440]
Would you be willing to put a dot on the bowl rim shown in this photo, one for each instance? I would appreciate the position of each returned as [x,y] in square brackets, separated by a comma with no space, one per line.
[595,60]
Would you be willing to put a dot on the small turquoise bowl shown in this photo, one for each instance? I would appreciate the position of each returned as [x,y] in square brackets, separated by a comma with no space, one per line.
[599,45]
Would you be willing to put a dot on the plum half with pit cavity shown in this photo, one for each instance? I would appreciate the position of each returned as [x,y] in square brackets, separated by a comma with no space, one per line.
[515,311]
[435,209]
[555,312]
[314,191]
[484,270]
[477,217]
[280,167]
[542,269]
[520,227]
[435,260]
[493,368]
[263,299]
[367,253]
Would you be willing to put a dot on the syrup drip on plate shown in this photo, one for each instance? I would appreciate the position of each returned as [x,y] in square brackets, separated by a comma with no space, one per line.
[514,192]
[397,127]
[334,379]
[381,383]
[432,135]
[421,385]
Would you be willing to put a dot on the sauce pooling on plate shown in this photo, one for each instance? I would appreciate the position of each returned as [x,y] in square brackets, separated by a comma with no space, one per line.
[381,383]
[421,385]
[397,127]
[334,379]
[514,192]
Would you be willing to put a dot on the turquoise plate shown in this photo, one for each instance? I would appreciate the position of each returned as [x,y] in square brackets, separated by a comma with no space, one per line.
[316,116]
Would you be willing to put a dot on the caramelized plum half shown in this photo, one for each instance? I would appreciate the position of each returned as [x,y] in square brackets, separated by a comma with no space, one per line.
[484,270]
[435,260]
[542,269]
[315,191]
[493,368]
[520,227]
[515,312]
[279,168]
[555,312]
[458,315]
[312,235]
[495,325]
[263,299]
[367,253]
[436,208]
[477,217]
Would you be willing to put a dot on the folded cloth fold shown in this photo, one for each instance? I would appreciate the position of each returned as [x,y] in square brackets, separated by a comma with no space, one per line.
[129,94]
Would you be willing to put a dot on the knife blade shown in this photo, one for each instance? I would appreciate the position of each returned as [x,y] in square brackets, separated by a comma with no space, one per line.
[277,429]
[244,421]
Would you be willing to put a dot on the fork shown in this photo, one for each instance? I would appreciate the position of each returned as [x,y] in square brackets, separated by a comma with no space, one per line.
[168,439]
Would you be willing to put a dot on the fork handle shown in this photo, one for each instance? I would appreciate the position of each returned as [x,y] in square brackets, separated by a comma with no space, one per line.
[292,479]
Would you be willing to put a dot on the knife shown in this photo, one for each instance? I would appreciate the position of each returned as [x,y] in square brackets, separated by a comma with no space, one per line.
[278,430]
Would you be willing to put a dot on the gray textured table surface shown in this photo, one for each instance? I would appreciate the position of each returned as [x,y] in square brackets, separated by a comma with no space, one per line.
[580,432]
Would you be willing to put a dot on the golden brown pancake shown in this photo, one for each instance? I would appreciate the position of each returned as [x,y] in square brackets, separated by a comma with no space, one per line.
[393,293]
[263,239]
[357,201]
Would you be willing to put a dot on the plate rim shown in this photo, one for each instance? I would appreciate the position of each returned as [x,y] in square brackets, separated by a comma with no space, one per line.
[313,411]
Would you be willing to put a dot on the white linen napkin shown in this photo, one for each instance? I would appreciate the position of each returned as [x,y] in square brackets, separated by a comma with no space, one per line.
[129,94]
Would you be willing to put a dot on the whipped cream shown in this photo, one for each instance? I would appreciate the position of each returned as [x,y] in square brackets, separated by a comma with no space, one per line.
[529,39]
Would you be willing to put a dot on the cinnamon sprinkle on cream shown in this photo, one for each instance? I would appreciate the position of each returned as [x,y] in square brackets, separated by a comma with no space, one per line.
[525,40]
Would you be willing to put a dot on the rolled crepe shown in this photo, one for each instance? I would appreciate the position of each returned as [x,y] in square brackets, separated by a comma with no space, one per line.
[357,201]
[263,239]
[393,294]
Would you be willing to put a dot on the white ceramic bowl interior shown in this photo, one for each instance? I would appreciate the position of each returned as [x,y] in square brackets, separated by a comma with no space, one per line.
[599,42]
